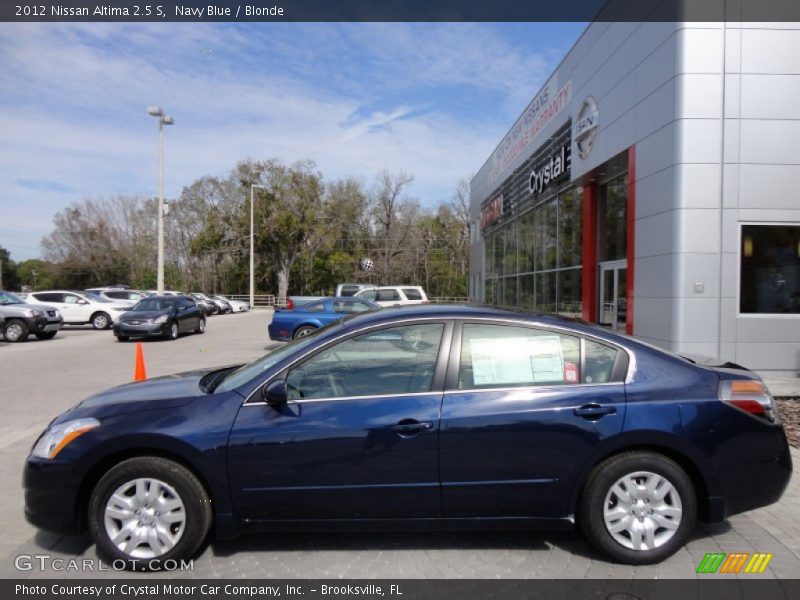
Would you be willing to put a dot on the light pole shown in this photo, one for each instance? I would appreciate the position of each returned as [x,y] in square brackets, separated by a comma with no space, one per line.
[163,119]
[253,186]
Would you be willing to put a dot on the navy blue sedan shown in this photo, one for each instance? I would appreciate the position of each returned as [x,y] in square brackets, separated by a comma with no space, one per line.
[306,319]
[416,418]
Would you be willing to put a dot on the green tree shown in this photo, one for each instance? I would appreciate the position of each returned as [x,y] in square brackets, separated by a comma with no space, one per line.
[8,271]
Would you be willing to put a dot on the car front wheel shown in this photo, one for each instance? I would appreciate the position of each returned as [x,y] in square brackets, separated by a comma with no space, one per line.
[639,507]
[16,331]
[172,331]
[101,320]
[149,509]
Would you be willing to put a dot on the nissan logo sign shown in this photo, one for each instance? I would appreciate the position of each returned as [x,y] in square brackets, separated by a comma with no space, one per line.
[586,127]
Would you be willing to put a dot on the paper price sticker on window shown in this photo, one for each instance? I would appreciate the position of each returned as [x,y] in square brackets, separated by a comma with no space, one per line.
[517,361]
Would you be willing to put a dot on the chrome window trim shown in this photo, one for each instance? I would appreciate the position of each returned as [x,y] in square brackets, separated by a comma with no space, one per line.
[445,319]
[345,398]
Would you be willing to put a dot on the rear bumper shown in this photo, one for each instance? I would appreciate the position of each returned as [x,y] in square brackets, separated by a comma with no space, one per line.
[280,333]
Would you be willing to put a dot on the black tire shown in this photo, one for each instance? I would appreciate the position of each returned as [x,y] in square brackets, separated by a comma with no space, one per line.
[16,331]
[122,338]
[46,335]
[598,488]
[194,497]
[201,326]
[173,331]
[101,320]
[303,331]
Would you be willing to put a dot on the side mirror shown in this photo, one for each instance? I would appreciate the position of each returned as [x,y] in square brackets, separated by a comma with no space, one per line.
[81,301]
[275,393]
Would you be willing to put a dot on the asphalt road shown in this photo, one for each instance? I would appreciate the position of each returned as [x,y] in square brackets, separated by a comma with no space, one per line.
[39,379]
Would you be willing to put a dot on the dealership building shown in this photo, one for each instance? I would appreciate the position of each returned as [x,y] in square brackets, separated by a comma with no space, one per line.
[651,186]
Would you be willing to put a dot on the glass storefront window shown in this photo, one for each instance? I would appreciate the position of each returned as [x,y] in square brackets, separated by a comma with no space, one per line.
[526,242]
[770,269]
[509,233]
[615,219]
[526,298]
[545,292]
[546,236]
[569,228]
[569,293]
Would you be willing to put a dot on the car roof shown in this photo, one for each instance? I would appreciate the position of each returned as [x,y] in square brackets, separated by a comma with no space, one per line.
[468,311]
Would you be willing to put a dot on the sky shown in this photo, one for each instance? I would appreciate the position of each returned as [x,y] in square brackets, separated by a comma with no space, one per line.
[432,99]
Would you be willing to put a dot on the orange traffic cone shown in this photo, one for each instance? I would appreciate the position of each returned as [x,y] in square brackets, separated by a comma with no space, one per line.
[139,372]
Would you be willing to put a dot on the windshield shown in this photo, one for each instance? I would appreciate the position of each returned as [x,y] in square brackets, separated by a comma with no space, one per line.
[95,297]
[7,298]
[154,304]
[248,372]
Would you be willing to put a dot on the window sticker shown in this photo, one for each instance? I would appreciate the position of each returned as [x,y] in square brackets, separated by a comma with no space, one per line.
[547,358]
[517,360]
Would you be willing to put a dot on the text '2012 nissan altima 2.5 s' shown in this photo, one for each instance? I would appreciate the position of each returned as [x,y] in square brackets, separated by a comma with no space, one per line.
[417,418]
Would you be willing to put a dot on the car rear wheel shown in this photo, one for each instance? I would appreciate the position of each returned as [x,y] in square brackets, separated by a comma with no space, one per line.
[149,508]
[46,335]
[639,507]
[304,331]
[101,320]
[201,326]
[16,331]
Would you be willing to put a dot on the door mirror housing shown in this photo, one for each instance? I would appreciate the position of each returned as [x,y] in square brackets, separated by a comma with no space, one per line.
[275,393]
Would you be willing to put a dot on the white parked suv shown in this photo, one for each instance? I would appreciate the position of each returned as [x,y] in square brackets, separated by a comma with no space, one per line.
[119,295]
[395,295]
[78,308]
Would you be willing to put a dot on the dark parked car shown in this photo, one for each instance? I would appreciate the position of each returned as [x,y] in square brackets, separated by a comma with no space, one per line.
[164,316]
[412,418]
[307,318]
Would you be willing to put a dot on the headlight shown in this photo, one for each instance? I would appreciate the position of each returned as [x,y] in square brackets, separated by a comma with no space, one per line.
[55,439]
[35,313]
[161,319]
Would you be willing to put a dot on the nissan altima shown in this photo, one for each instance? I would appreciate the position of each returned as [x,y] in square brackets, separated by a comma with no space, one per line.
[417,418]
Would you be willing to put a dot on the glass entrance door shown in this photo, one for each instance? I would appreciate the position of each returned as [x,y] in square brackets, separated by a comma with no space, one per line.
[613,294]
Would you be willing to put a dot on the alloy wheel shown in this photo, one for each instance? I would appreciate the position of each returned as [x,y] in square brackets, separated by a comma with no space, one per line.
[145,518]
[642,510]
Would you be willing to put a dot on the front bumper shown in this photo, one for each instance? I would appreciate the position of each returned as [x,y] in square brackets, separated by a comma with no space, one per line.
[51,496]
[144,330]
[43,324]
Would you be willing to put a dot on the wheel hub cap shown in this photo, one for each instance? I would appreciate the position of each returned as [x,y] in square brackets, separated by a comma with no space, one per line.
[642,510]
[145,518]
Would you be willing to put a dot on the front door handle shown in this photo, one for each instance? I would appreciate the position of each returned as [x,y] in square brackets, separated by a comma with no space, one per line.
[594,411]
[410,427]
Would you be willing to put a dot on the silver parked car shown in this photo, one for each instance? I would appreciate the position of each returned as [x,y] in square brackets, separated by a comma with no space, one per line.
[22,319]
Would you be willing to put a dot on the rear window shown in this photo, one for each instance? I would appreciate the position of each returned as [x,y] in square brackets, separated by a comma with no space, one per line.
[314,307]
[412,294]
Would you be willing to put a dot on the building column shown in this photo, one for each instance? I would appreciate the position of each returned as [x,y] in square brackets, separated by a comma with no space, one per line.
[589,253]
[630,251]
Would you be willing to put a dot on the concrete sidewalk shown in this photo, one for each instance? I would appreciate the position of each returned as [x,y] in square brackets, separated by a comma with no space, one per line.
[784,387]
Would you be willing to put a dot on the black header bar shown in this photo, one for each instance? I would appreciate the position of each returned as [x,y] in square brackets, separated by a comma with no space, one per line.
[397,10]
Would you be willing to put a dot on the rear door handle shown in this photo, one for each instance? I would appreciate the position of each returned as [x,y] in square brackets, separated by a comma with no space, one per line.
[594,411]
[411,427]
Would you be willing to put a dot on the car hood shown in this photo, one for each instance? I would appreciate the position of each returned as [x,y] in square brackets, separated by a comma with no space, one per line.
[19,309]
[144,314]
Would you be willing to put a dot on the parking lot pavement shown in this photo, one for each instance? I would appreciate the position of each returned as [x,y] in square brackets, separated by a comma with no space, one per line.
[42,378]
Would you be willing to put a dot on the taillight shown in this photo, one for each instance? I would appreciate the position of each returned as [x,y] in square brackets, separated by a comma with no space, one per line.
[289,304]
[750,396]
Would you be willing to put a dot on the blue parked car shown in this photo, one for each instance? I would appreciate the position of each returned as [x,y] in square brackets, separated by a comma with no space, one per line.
[304,320]
[430,416]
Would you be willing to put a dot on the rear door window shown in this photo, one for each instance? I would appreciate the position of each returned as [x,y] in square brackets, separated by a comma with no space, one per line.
[387,296]
[412,294]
